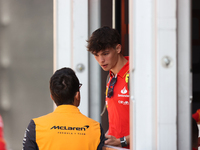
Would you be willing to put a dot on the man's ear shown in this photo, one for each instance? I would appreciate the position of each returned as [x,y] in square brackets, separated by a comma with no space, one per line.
[51,97]
[118,48]
[77,98]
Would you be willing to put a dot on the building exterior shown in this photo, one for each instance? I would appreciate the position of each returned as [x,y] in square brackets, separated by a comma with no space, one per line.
[161,38]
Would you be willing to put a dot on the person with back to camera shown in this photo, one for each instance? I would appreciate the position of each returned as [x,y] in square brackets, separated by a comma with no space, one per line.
[104,44]
[66,128]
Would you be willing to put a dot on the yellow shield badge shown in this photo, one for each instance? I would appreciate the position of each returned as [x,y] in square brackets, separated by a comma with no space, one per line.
[126,78]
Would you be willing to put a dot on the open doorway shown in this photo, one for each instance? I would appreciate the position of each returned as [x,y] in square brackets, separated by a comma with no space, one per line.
[195,55]
[119,21]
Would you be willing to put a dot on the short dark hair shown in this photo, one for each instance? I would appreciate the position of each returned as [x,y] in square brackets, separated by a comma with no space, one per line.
[63,86]
[103,38]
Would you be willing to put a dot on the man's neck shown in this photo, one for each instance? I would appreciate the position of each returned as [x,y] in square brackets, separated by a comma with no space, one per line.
[120,63]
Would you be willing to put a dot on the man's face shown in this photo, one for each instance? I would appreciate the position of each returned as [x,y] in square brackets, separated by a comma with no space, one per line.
[108,58]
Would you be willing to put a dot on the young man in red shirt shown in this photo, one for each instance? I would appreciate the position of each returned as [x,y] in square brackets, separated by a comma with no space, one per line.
[104,44]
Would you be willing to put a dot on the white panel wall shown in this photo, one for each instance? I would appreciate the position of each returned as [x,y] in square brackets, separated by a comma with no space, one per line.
[167,74]
[159,74]
[143,74]
[95,70]
[70,35]
[184,64]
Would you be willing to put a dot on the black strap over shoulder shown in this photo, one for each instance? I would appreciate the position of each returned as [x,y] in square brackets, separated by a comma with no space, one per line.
[104,108]
[107,79]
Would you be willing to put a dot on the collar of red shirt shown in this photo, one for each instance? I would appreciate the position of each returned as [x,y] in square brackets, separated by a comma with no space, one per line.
[123,71]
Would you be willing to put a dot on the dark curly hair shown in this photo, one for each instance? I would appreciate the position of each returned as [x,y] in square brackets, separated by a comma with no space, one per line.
[63,86]
[103,38]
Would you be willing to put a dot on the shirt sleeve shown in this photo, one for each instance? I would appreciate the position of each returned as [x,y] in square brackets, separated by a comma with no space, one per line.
[29,141]
[102,139]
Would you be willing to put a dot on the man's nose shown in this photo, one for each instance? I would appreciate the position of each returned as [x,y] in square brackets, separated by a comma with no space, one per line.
[101,59]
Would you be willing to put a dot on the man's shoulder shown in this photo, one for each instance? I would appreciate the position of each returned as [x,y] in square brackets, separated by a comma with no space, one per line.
[90,120]
[42,118]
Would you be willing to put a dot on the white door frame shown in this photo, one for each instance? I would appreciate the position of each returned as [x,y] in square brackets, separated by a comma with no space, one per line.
[70,35]
[160,74]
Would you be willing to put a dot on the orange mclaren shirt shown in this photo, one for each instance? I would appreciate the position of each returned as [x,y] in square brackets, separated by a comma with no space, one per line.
[65,128]
[118,104]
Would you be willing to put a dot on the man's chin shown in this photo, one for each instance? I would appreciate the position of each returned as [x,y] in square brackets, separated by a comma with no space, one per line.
[105,69]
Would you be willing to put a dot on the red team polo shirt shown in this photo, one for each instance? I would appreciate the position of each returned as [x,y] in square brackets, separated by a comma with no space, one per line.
[118,104]
[2,141]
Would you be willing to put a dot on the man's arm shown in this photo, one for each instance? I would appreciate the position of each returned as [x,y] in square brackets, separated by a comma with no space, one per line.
[29,141]
[113,141]
[127,139]
[106,133]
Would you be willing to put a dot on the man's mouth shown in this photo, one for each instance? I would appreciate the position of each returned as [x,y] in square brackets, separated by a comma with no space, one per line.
[104,66]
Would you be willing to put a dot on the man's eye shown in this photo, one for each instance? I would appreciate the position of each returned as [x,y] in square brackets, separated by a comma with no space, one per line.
[105,53]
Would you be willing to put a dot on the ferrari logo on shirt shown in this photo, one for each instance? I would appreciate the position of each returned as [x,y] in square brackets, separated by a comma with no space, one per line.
[126,78]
